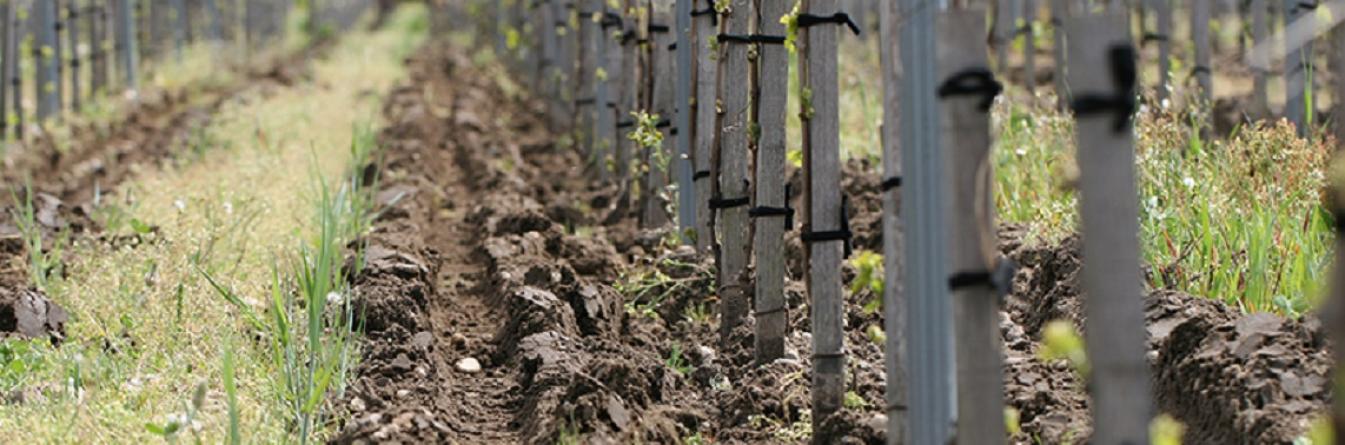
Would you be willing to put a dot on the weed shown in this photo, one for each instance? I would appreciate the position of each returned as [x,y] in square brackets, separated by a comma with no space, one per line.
[20,361]
[853,401]
[1060,341]
[43,264]
[677,362]
[697,314]
[868,277]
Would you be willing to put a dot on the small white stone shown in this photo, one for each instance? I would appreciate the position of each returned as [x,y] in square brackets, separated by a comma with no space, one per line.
[357,405]
[334,298]
[469,365]
[403,393]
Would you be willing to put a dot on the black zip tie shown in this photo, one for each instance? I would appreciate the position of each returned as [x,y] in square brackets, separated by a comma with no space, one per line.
[999,280]
[831,355]
[624,124]
[658,28]
[585,101]
[672,131]
[891,183]
[833,235]
[700,175]
[1025,29]
[610,20]
[1153,37]
[1305,6]
[1121,101]
[840,18]
[663,123]
[786,211]
[751,38]
[718,203]
[710,11]
[562,23]
[897,407]
[1199,69]
[780,309]
[973,82]
[672,46]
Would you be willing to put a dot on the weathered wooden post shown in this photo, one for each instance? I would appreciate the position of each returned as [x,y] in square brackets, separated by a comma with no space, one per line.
[98,76]
[683,164]
[13,71]
[183,25]
[733,195]
[585,105]
[1103,72]
[1260,31]
[1003,31]
[127,44]
[1029,34]
[1059,14]
[73,35]
[6,58]
[1297,64]
[1163,37]
[628,101]
[826,230]
[1200,33]
[771,214]
[967,90]
[660,158]
[44,55]
[707,121]
[58,54]
[604,130]
[890,21]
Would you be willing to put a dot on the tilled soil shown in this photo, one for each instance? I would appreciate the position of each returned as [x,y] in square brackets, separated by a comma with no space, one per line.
[499,308]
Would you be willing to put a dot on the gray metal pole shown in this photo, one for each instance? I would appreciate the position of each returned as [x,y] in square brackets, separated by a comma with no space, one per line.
[929,322]
[126,36]
[683,165]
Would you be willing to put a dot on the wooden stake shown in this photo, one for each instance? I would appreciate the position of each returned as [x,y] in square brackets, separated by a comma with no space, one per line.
[48,103]
[1003,33]
[1163,14]
[13,70]
[6,58]
[627,101]
[609,59]
[73,35]
[1102,69]
[707,123]
[733,194]
[1260,32]
[966,144]
[98,74]
[683,162]
[771,219]
[1029,34]
[126,39]
[662,68]
[894,295]
[1297,64]
[824,208]
[1059,14]
[1200,33]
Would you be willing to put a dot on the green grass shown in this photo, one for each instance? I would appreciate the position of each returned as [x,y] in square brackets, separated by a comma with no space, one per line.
[252,212]
[1238,219]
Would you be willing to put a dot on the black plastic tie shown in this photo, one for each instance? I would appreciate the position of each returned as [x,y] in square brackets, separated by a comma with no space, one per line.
[585,101]
[700,175]
[891,183]
[719,203]
[973,82]
[663,123]
[843,234]
[1121,102]
[840,18]
[625,124]
[764,211]
[751,38]
[999,280]
[610,20]
[710,11]
[1153,37]
[659,28]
